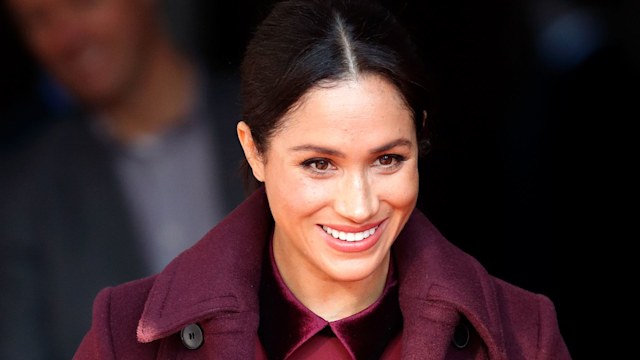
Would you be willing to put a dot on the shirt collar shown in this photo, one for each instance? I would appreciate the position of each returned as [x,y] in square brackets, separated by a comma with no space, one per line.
[286,324]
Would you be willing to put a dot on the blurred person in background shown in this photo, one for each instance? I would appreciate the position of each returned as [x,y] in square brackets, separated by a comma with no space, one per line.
[136,172]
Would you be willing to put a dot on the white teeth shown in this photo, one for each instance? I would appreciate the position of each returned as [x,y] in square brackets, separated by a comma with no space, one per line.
[345,236]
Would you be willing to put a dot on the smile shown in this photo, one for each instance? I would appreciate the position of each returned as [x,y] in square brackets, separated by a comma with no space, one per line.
[349,236]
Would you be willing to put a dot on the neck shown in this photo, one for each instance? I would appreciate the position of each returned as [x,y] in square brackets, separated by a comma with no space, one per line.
[157,99]
[329,298]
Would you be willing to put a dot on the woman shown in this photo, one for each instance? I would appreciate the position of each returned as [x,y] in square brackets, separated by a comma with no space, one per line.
[329,258]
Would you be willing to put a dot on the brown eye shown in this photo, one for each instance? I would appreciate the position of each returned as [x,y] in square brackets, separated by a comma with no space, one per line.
[318,165]
[389,162]
[386,160]
[321,165]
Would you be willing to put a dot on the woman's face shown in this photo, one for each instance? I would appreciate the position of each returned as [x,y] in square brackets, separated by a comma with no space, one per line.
[341,177]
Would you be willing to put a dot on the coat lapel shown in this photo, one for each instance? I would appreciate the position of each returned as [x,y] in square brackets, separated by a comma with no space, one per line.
[439,286]
[215,284]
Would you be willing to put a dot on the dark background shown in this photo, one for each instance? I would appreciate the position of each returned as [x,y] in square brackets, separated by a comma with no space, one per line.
[530,96]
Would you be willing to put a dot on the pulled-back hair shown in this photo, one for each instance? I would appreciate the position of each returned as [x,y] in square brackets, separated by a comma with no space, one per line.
[302,44]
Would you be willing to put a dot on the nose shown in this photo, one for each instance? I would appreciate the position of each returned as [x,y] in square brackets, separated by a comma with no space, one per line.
[355,198]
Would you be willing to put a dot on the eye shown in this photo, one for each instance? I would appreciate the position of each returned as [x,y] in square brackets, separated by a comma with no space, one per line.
[389,161]
[318,165]
[386,160]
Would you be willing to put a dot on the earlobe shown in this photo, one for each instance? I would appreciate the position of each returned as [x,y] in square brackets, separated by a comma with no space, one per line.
[250,150]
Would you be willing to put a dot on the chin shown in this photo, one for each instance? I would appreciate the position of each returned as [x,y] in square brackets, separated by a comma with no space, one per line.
[355,271]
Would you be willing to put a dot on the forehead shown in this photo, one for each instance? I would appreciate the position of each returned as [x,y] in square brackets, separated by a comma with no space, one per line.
[350,104]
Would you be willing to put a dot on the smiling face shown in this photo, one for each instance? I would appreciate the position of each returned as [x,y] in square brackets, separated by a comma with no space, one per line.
[341,176]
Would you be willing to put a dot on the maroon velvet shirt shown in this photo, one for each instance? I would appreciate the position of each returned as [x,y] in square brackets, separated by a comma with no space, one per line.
[288,330]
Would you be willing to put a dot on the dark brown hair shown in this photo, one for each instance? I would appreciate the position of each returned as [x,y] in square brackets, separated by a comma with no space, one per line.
[303,43]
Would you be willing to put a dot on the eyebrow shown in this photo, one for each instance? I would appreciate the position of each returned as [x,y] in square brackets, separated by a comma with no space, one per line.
[332,152]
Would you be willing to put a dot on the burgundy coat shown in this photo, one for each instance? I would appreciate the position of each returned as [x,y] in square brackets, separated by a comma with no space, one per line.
[215,284]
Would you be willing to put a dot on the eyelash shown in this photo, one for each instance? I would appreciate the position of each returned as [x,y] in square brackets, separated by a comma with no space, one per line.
[311,164]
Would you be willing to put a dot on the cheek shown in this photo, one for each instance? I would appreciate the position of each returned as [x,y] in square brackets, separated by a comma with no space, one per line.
[42,46]
[46,42]
[112,29]
[292,194]
[402,192]
[114,23]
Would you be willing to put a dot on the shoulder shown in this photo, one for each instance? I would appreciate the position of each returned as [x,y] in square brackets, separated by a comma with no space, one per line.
[60,143]
[533,315]
[506,316]
[65,159]
[116,312]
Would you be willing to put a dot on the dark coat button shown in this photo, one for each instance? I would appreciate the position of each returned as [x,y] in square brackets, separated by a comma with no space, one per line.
[192,336]
[461,336]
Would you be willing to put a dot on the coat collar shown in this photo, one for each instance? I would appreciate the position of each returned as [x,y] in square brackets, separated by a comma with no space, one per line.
[221,274]
[443,283]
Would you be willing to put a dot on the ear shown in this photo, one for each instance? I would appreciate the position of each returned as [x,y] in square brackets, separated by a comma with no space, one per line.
[254,158]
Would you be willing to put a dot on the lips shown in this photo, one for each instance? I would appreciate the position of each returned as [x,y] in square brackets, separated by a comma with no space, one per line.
[349,236]
[349,239]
